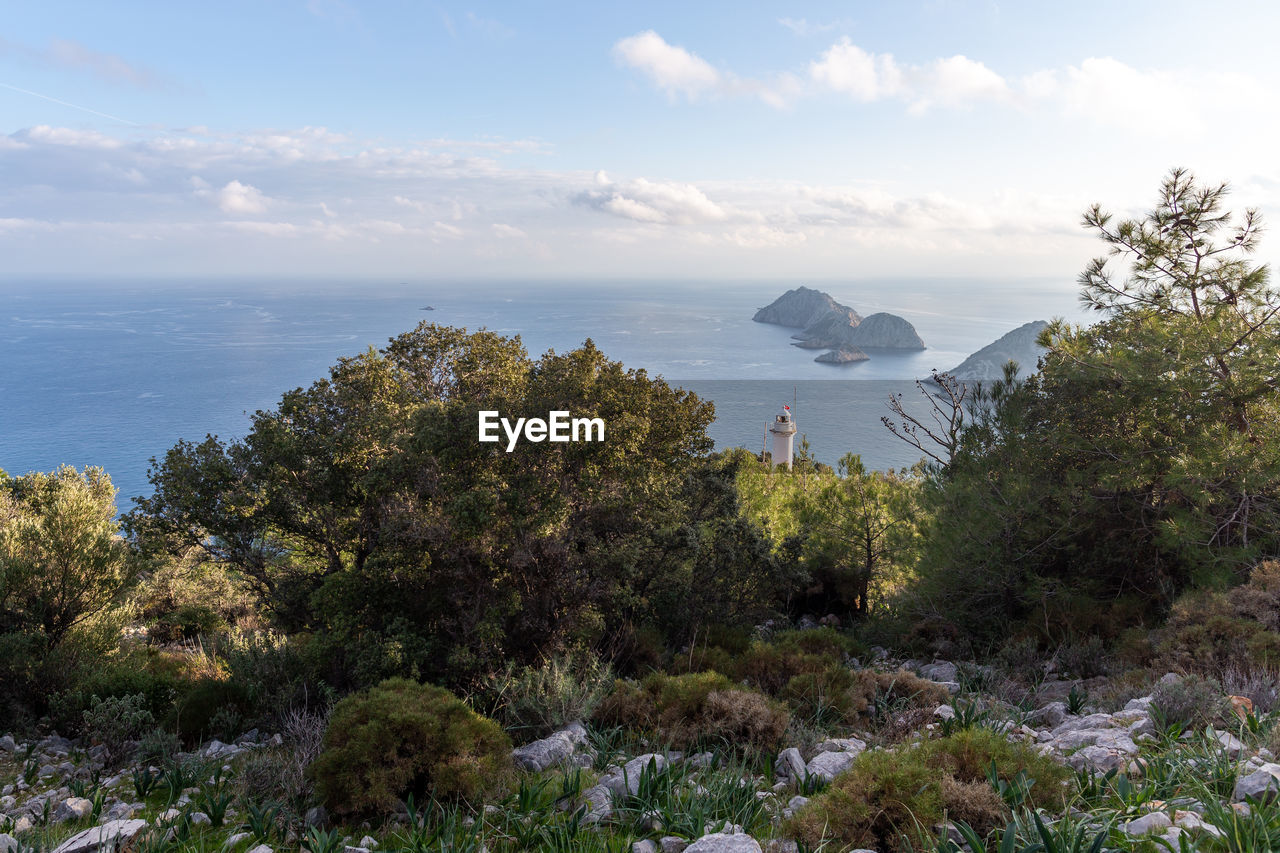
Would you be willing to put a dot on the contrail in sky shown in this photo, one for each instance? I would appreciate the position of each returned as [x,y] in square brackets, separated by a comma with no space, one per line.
[69,104]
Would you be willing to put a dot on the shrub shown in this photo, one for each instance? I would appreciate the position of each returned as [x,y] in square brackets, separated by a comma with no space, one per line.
[697,708]
[400,738]
[117,721]
[564,688]
[279,774]
[1083,657]
[1190,701]
[888,800]
[1211,632]
[211,708]
[833,695]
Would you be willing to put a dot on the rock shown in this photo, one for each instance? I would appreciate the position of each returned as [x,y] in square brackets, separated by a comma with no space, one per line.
[1170,678]
[1262,784]
[7,744]
[632,770]
[987,364]
[845,355]
[789,766]
[235,839]
[781,845]
[599,802]
[1192,822]
[1050,716]
[842,744]
[369,842]
[722,842]
[886,331]
[120,811]
[316,816]
[73,808]
[218,749]
[799,308]
[1148,824]
[1142,703]
[645,846]
[672,844]
[200,819]
[167,816]
[261,848]
[797,802]
[113,835]
[1231,744]
[8,843]
[829,765]
[939,670]
[944,712]
[551,751]
[830,331]
[1242,706]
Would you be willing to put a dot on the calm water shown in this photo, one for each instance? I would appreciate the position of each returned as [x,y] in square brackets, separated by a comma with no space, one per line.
[114,374]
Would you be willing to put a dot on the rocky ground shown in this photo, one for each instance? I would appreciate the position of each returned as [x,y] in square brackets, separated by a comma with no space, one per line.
[1141,783]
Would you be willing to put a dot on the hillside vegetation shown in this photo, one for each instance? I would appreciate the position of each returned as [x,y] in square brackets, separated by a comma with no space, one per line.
[359,627]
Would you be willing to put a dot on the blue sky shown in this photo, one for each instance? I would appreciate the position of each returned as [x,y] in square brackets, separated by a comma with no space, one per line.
[568,140]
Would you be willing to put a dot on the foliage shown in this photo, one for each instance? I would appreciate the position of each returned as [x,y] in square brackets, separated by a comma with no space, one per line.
[401,738]
[363,511]
[852,532]
[63,572]
[279,774]
[1142,459]
[188,596]
[1213,633]
[1190,701]
[117,721]
[696,709]
[562,689]
[887,799]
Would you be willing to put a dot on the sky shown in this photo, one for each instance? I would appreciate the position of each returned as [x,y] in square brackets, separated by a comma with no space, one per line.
[712,140]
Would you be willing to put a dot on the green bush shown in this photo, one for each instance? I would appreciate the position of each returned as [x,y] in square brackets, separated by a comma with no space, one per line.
[1211,632]
[890,800]
[401,738]
[117,721]
[696,709]
[562,689]
[1190,701]
[211,708]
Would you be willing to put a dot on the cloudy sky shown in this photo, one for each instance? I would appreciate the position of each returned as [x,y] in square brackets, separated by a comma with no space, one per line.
[417,139]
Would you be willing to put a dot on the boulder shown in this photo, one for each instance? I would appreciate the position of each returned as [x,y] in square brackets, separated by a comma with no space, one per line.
[8,843]
[789,766]
[722,842]
[113,835]
[939,670]
[632,770]
[1262,784]
[843,744]
[73,808]
[645,846]
[553,750]
[599,802]
[1148,824]
[829,765]
[7,744]
[673,844]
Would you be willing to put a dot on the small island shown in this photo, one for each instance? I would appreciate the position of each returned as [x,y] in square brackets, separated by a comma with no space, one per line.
[827,325]
[1019,346]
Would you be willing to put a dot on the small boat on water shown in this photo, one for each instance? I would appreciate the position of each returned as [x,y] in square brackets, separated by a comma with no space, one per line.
[428,308]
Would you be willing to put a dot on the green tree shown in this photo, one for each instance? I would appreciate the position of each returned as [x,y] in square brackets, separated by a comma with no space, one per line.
[62,561]
[368,515]
[1142,458]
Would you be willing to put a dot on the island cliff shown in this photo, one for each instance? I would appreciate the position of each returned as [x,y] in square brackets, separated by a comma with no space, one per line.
[987,364]
[826,324]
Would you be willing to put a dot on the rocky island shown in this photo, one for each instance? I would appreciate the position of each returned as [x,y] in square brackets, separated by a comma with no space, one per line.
[828,325]
[987,364]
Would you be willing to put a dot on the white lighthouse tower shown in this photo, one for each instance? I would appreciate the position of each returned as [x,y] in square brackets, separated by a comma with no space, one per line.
[783,430]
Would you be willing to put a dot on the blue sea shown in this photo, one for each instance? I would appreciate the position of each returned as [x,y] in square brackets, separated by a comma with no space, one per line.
[114,373]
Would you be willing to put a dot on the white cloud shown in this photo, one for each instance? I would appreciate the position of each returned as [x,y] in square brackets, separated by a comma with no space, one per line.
[673,69]
[240,198]
[508,232]
[652,201]
[75,56]
[844,67]
[764,237]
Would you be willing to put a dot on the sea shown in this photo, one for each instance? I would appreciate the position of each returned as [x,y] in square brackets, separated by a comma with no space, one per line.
[113,373]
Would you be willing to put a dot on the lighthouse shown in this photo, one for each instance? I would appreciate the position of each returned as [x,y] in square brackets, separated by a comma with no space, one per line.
[783,430]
